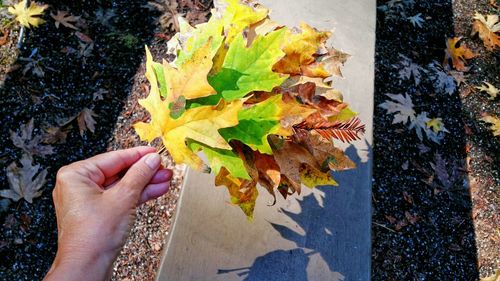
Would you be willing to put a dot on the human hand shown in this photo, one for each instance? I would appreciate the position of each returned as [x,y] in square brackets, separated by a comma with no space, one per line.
[95,201]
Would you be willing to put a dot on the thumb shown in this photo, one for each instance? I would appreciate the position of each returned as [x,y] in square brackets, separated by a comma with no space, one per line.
[139,175]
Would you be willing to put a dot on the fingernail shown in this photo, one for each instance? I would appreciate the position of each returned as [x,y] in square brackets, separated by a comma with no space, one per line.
[153,161]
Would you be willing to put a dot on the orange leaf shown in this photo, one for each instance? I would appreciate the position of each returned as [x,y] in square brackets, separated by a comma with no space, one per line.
[458,55]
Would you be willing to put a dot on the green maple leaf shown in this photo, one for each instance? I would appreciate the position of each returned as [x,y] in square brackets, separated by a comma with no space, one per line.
[255,124]
[247,69]
[219,158]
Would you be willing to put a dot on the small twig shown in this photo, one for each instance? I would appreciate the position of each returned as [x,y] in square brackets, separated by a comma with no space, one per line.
[381,225]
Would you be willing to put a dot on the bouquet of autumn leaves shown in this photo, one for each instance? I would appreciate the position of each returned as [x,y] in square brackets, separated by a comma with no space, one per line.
[251,95]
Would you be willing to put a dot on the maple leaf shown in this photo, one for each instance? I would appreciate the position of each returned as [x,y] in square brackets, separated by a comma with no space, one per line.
[86,121]
[326,154]
[495,124]
[409,69]
[423,124]
[65,18]
[198,37]
[442,81]
[28,16]
[249,69]
[219,158]
[327,65]
[25,182]
[487,29]
[243,192]
[491,90]
[268,171]
[298,165]
[300,49]
[458,55]
[29,143]
[55,135]
[188,80]
[436,124]
[402,106]
[235,17]
[416,20]
[259,121]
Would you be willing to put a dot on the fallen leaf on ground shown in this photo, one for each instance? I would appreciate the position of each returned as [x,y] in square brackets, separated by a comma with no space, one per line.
[495,124]
[25,140]
[436,124]
[86,120]
[491,90]
[168,20]
[65,18]
[25,181]
[28,16]
[5,37]
[55,135]
[402,106]
[494,277]
[458,55]
[487,29]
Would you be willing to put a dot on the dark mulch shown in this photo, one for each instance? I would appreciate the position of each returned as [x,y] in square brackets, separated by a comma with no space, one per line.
[430,231]
[28,234]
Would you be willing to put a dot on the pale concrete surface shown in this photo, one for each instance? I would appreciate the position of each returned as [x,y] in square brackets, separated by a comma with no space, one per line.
[323,234]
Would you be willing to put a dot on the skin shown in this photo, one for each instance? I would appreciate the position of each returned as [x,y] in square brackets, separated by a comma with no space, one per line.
[95,202]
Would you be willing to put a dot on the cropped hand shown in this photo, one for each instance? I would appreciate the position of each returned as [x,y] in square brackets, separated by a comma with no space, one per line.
[95,202]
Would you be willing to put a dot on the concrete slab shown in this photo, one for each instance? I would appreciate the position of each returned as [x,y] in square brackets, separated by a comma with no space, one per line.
[324,234]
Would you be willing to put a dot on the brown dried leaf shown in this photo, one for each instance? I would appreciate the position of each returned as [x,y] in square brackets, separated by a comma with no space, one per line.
[25,181]
[86,120]
[487,29]
[55,135]
[65,18]
[290,156]
[5,37]
[25,140]
[269,171]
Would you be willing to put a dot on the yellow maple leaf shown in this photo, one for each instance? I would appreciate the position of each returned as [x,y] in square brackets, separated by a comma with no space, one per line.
[300,49]
[189,80]
[28,16]
[200,124]
[436,124]
[458,55]
[487,28]
[495,124]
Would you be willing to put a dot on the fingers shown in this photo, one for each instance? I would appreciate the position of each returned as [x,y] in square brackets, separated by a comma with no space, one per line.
[162,175]
[114,162]
[154,191]
[138,176]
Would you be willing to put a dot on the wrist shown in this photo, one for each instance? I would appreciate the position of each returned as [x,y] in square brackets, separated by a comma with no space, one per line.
[82,264]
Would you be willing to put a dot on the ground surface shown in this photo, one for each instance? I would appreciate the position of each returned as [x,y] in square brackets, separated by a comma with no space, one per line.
[421,231]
